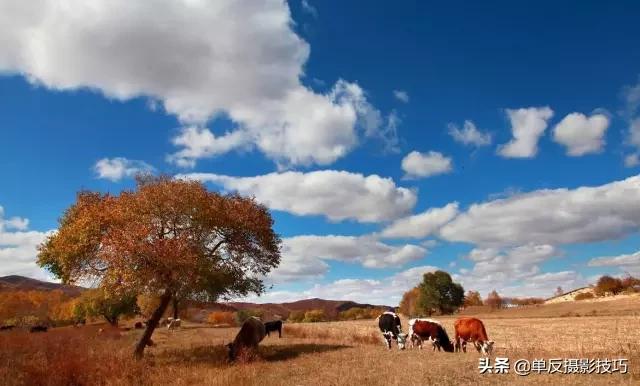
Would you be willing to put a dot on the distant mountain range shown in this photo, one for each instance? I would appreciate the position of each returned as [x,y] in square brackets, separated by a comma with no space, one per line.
[330,307]
[21,283]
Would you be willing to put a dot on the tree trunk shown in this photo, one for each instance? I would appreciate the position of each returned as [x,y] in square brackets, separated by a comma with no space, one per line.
[152,324]
[175,308]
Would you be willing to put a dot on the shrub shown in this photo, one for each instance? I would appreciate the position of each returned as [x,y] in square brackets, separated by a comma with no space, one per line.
[243,315]
[221,317]
[296,316]
[584,296]
[494,300]
[314,316]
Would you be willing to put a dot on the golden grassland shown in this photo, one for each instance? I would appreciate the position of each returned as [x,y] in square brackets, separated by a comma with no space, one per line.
[331,353]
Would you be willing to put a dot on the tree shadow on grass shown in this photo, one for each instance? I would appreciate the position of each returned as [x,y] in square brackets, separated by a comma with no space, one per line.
[284,352]
[216,355]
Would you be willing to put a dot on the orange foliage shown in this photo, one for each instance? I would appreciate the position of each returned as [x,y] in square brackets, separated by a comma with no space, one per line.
[18,307]
[221,318]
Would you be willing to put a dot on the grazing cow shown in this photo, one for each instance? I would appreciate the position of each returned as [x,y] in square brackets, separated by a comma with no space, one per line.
[251,333]
[174,323]
[432,330]
[138,326]
[275,325]
[472,330]
[38,328]
[389,324]
[7,327]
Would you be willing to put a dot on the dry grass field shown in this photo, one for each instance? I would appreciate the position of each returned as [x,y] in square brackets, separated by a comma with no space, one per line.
[332,353]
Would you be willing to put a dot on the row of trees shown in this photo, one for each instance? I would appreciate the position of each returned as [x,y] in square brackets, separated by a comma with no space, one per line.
[168,239]
[608,285]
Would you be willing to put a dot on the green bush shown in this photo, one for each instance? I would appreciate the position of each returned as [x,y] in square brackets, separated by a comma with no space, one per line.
[243,315]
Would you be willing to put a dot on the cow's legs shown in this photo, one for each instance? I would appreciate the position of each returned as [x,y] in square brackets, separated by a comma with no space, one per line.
[280,332]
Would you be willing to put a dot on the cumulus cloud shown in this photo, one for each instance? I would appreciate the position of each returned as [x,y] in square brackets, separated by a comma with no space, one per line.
[581,134]
[552,216]
[629,262]
[309,250]
[401,95]
[423,224]
[469,134]
[416,164]
[308,8]
[632,160]
[527,126]
[385,291]
[19,247]
[338,195]
[115,169]
[515,271]
[197,59]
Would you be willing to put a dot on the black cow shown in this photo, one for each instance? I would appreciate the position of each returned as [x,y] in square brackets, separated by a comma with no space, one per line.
[275,325]
[39,328]
[391,328]
[7,327]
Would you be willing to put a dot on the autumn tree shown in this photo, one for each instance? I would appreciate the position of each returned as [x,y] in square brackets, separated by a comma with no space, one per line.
[472,298]
[608,285]
[558,291]
[99,303]
[409,302]
[439,292]
[494,300]
[165,237]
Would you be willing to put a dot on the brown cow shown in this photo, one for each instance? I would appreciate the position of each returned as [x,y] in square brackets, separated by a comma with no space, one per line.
[421,329]
[251,333]
[472,330]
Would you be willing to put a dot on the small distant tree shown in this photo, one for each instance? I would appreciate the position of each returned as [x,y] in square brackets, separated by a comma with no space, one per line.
[409,302]
[313,316]
[296,316]
[494,300]
[438,292]
[242,315]
[608,285]
[221,317]
[558,291]
[166,238]
[99,303]
[472,298]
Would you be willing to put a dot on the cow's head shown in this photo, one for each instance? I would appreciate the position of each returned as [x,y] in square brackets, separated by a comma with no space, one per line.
[232,351]
[402,340]
[487,347]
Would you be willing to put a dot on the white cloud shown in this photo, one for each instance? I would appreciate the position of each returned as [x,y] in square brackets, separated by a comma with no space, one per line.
[386,291]
[310,250]
[416,164]
[469,135]
[338,195]
[632,160]
[308,8]
[423,224]
[527,126]
[515,271]
[401,95]
[558,216]
[199,60]
[634,133]
[19,247]
[628,262]
[197,142]
[115,169]
[581,134]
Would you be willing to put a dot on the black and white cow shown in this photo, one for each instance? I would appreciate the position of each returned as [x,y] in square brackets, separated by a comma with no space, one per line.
[391,328]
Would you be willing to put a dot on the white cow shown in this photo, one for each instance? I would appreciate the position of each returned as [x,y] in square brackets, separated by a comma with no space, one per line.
[174,323]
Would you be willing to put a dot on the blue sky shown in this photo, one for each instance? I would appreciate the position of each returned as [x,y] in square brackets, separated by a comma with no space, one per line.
[499,142]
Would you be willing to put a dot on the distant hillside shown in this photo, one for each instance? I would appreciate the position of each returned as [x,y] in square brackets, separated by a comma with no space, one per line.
[282,310]
[21,283]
